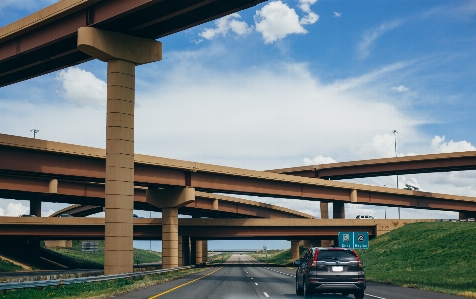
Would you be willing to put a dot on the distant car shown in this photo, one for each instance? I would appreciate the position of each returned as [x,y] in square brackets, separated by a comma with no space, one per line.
[136,216]
[330,270]
[471,220]
[364,217]
[27,215]
[65,215]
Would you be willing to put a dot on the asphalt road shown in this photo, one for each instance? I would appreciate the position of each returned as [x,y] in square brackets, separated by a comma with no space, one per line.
[242,277]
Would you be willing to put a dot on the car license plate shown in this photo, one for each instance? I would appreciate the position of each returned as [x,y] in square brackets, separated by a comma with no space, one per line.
[337,268]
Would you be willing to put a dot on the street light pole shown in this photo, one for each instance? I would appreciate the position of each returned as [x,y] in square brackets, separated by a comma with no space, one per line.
[395,135]
[34,132]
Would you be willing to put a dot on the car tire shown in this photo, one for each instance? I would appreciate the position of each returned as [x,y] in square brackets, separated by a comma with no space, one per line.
[359,295]
[299,291]
[306,290]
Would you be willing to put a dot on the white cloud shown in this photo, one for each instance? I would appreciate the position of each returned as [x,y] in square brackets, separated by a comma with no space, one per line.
[276,20]
[14,209]
[224,25]
[319,160]
[311,17]
[371,36]
[337,14]
[400,88]
[439,146]
[82,87]
[261,114]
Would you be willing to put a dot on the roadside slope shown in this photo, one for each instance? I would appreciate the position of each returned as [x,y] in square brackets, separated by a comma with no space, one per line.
[430,256]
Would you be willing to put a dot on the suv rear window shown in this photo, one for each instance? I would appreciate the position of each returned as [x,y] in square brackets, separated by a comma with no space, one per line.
[340,255]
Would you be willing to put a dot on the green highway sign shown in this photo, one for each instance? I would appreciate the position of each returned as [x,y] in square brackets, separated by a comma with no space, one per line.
[354,240]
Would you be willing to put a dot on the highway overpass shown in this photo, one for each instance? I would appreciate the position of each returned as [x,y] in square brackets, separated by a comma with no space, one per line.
[458,161]
[82,169]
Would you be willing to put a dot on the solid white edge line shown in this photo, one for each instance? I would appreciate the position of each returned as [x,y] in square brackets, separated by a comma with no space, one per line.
[374,296]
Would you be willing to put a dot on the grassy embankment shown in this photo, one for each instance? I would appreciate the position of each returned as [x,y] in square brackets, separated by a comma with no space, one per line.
[280,257]
[6,266]
[97,290]
[96,259]
[429,256]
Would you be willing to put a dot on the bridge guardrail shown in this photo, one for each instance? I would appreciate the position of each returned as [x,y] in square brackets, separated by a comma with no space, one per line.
[57,282]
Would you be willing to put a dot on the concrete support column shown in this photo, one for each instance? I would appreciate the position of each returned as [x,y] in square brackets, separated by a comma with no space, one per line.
[185,251]
[122,53]
[169,238]
[119,204]
[295,250]
[204,251]
[198,252]
[35,207]
[193,251]
[324,210]
[339,210]
[180,252]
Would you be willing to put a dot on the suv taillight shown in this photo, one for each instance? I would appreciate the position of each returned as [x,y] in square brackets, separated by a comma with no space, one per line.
[314,259]
[358,258]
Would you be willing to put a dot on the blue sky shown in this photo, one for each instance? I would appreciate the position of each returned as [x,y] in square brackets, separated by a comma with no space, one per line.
[282,84]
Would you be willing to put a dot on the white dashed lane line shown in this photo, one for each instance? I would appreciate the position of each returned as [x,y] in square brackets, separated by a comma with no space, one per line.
[265,294]
[374,296]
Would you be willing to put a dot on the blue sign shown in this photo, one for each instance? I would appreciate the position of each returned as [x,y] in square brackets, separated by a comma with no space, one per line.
[354,240]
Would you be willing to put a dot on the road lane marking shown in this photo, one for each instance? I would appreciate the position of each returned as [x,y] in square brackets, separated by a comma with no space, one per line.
[265,294]
[182,285]
[256,283]
[374,296]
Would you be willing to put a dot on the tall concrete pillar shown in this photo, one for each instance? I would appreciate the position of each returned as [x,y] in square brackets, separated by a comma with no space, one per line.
[198,252]
[186,250]
[339,210]
[119,202]
[180,251]
[295,250]
[193,251]
[122,53]
[35,207]
[169,200]
[169,238]
[324,210]
[204,251]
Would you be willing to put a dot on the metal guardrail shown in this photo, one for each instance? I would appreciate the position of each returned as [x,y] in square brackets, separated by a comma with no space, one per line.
[59,282]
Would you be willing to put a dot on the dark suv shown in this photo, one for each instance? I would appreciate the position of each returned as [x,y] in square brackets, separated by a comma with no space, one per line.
[330,270]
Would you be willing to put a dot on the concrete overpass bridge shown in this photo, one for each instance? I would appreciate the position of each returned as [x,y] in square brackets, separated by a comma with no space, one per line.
[430,163]
[122,33]
[80,168]
[312,231]
[206,205]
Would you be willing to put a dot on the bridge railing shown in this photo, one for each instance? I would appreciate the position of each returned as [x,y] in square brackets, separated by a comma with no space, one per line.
[59,282]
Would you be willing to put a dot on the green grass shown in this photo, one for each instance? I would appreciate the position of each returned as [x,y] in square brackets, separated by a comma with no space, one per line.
[280,257]
[6,266]
[219,258]
[96,259]
[431,256]
[96,290]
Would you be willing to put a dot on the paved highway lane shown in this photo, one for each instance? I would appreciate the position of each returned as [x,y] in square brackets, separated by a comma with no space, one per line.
[242,277]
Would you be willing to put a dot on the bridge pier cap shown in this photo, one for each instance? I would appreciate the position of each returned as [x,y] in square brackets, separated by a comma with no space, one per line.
[107,45]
